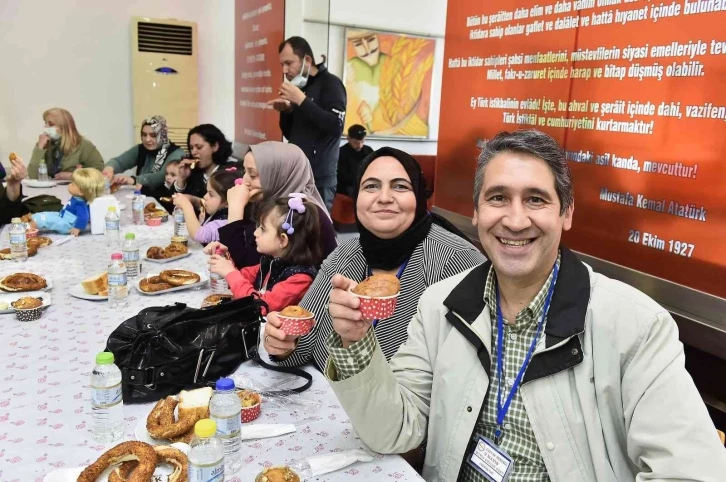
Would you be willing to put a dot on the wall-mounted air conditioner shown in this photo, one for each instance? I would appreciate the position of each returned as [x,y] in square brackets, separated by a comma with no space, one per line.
[164,73]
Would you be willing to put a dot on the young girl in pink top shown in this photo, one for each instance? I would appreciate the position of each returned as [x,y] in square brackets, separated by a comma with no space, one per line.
[288,237]
[214,205]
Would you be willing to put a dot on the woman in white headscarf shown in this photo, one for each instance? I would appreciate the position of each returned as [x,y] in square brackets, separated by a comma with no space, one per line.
[148,158]
[272,170]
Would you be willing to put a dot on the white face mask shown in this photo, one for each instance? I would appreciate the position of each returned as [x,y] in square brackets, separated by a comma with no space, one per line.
[52,133]
[301,80]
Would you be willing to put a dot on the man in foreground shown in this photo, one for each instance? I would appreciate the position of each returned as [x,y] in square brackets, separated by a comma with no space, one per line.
[529,367]
[311,103]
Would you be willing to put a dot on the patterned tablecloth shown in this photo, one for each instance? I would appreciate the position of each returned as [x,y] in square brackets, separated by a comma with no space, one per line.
[46,365]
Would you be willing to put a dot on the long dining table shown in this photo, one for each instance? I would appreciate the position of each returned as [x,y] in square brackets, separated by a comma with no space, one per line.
[45,421]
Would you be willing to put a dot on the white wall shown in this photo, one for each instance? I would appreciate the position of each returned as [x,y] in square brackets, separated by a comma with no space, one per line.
[76,54]
[423,17]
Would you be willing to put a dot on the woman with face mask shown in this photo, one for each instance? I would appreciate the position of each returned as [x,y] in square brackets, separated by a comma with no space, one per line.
[148,159]
[62,147]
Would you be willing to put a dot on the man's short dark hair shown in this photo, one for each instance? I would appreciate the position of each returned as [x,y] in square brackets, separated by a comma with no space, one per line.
[357,132]
[534,143]
[300,47]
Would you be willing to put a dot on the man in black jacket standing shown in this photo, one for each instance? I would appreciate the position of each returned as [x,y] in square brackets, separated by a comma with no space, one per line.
[311,103]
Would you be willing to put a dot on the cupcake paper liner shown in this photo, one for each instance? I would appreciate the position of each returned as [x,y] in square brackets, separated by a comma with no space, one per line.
[296,326]
[377,308]
[249,414]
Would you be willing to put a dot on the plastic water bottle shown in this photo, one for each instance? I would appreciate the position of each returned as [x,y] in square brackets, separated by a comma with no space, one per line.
[106,186]
[43,172]
[224,408]
[107,408]
[180,225]
[131,256]
[137,208]
[216,281]
[18,243]
[113,227]
[118,290]
[206,455]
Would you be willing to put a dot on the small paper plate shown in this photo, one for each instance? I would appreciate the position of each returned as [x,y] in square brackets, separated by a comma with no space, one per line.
[167,260]
[203,278]
[48,285]
[10,297]
[39,184]
[77,291]
[161,473]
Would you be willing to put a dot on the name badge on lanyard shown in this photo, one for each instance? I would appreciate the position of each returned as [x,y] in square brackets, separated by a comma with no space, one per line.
[491,461]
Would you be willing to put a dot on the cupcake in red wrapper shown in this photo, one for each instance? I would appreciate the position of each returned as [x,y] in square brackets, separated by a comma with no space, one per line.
[378,295]
[153,221]
[296,321]
[251,405]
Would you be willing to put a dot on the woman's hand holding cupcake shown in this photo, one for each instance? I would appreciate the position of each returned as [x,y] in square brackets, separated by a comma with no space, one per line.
[276,341]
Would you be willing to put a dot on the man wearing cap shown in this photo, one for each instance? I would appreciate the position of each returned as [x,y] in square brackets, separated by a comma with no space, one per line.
[350,157]
[531,366]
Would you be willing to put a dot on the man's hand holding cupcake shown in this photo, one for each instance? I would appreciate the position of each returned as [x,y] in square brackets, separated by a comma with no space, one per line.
[354,307]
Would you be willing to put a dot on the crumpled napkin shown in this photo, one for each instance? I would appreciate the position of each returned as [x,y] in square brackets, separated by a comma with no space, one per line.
[317,465]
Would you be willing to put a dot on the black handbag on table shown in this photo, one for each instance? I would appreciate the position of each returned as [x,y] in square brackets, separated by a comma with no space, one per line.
[163,350]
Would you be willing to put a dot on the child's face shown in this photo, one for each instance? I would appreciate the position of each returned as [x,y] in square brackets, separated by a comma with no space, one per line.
[172,172]
[267,238]
[74,190]
[212,200]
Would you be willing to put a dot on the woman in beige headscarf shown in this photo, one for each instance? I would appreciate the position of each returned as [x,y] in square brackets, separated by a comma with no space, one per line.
[272,170]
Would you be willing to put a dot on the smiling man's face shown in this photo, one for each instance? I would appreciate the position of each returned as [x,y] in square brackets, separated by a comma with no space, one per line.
[518,216]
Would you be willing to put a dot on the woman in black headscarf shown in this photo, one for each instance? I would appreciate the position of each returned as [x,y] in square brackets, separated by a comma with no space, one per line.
[397,236]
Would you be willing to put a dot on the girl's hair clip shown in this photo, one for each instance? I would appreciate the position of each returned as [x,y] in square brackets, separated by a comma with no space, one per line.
[231,169]
[295,203]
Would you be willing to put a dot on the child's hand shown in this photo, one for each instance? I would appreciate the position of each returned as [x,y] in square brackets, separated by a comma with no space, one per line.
[181,200]
[212,248]
[75,231]
[220,265]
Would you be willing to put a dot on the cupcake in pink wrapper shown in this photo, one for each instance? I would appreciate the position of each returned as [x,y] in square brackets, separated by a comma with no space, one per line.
[153,221]
[378,295]
[296,321]
[251,405]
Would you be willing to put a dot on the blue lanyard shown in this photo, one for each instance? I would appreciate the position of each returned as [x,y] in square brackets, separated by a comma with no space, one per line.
[502,410]
[398,275]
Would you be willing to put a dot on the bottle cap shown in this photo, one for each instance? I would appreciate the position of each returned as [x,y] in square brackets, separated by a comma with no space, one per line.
[137,192]
[219,251]
[225,384]
[112,209]
[130,236]
[104,358]
[16,220]
[117,256]
[205,428]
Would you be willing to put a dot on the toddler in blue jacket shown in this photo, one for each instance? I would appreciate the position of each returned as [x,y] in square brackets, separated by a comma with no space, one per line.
[86,185]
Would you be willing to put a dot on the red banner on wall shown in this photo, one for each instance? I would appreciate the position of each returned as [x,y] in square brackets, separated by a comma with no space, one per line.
[632,90]
[259,30]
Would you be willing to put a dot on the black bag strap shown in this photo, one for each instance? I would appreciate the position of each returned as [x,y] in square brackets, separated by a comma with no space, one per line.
[291,370]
